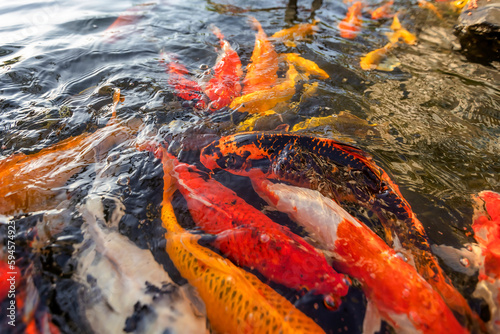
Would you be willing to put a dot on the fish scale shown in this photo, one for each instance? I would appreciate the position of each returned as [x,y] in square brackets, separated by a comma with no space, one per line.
[251,239]
[356,179]
[236,301]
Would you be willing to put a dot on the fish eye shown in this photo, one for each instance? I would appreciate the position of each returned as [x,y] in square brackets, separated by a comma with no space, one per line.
[329,302]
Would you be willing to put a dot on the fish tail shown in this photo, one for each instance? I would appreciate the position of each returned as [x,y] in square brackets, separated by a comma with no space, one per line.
[434,275]
[255,23]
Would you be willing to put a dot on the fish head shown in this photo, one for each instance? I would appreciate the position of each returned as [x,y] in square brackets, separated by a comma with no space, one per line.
[239,154]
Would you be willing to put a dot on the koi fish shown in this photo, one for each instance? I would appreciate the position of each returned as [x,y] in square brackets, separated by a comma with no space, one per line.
[431,7]
[124,278]
[383,12]
[486,228]
[375,59]
[341,172]
[349,27]
[184,88]
[236,301]
[296,33]
[261,72]
[391,285]
[306,65]
[131,16]
[251,239]
[29,182]
[225,84]
[264,100]
[400,33]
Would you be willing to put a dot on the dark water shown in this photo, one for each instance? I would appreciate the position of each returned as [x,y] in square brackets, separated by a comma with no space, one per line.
[434,122]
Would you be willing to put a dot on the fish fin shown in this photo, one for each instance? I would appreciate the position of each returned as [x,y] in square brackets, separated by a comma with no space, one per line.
[396,24]
[255,23]
[466,260]
[372,321]
[193,296]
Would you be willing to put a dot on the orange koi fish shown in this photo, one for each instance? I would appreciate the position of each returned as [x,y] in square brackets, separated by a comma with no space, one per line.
[184,88]
[373,59]
[236,301]
[261,72]
[30,182]
[131,16]
[383,12]
[431,7]
[306,65]
[349,27]
[395,291]
[343,173]
[263,100]
[486,228]
[400,33]
[296,33]
[225,84]
[249,238]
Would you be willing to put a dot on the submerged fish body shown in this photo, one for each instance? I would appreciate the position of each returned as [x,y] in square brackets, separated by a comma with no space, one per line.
[306,65]
[373,59]
[486,228]
[431,7]
[225,84]
[392,286]
[400,33]
[261,72]
[183,87]
[30,182]
[343,173]
[349,27]
[266,99]
[296,33]
[236,301]
[383,12]
[123,288]
[251,239]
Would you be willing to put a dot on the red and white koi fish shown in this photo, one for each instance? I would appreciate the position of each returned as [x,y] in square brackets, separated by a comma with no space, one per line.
[393,288]
[486,228]
[225,84]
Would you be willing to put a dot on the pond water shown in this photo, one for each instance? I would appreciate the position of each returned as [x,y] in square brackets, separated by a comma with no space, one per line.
[433,124]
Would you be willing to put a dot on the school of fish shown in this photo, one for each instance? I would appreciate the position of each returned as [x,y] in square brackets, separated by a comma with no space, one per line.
[237,258]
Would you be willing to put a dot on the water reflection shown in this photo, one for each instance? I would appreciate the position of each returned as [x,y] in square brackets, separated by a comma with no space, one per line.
[433,123]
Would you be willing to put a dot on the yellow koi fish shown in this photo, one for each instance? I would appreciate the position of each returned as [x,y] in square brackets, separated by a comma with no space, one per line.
[27,182]
[261,72]
[431,7]
[305,65]
[236,301]
[400,33]
[263,100]
[296,33]
[375,60]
